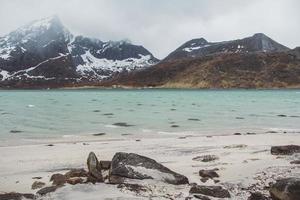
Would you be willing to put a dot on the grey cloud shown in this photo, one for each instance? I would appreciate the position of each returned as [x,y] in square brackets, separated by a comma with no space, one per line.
[162,25]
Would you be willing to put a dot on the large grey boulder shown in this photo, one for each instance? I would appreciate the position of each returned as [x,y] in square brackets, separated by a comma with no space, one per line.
[286,189]
[134,166]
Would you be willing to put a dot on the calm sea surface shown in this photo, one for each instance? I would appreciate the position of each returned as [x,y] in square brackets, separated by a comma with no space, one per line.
[29,114]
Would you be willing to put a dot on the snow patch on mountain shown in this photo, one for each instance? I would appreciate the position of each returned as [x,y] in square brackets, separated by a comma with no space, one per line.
[6,51]
[4,74]
[93,64]
[190,49]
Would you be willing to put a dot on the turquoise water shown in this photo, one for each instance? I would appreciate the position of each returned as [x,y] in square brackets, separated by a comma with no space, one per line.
[29,114]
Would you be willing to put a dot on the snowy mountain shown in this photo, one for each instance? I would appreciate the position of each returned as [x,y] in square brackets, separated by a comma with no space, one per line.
[46,50]
[259,42]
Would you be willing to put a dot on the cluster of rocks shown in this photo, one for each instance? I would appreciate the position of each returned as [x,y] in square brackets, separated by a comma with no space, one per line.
[126,167]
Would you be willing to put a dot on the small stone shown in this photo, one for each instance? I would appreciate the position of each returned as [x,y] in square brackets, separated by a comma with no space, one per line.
[133,187]
[285,150]
[105,164]
[214,191]
[58,179]
[203,180]
[94,167]
[47,190]
[202,197]
[37,177]
[297,162]
[235,146]
[209,173]
[37,185]
[76,173]
[206,158]
[75,180]
[257,196]
[16,196]
[91,179]
[113,179]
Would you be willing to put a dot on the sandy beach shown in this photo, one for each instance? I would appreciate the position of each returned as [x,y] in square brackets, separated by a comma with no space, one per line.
[244,161]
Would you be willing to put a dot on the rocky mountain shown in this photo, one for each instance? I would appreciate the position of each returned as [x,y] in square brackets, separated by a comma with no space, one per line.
[253,62]
[44,54]
[44,51]
[200,47]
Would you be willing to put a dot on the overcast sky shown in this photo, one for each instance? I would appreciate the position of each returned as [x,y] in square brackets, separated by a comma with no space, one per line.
[162,25]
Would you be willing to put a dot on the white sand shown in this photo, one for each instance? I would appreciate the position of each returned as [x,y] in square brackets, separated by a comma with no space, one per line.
[240,166]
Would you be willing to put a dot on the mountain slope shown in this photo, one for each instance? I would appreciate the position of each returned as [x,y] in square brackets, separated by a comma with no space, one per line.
[200,47]
[46,50]
[228,70]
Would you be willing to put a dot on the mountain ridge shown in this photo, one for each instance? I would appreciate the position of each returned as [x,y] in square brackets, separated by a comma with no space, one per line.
[45,54]
[39,43]
[259,42]
[230,70]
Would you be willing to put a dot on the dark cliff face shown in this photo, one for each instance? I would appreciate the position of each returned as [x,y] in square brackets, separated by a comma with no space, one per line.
[200,47]
[45,49]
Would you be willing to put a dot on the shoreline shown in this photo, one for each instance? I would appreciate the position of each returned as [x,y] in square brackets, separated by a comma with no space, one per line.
[249,155]
[123,87]
[103,137]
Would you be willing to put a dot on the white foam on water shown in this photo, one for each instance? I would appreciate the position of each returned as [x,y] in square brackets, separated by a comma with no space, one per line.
[111,126]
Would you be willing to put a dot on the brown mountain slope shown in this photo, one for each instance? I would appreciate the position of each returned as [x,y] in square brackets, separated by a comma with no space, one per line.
[231,70]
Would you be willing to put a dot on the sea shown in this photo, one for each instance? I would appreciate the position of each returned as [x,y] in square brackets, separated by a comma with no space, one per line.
[28,116]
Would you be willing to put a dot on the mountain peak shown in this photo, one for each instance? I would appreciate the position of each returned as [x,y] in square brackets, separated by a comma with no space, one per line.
[265,43]
[41,25]
[197,42]
[259,35]
[258,42]
[42,31]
